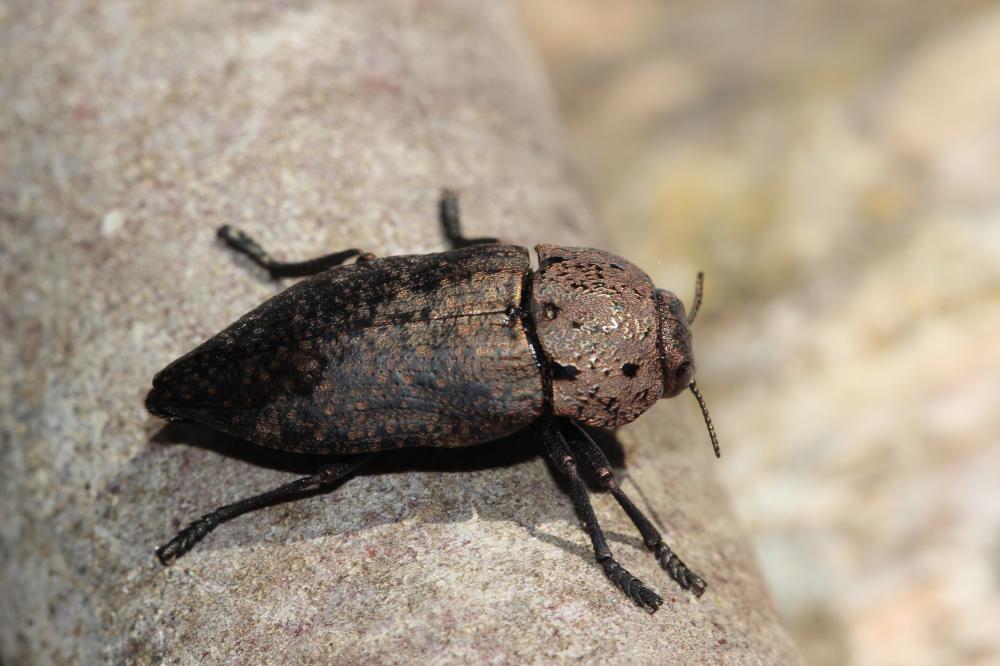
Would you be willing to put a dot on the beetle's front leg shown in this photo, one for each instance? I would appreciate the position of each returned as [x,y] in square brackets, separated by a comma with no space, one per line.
[679,571]
[244,244]
[558,453]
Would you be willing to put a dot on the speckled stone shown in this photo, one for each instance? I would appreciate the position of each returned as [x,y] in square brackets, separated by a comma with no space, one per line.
[130,131]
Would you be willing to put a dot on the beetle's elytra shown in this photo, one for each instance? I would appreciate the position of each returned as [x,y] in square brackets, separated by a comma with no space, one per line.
[448,349]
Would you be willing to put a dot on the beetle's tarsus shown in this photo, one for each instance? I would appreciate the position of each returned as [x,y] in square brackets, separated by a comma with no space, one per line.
[633,588]
[241,242]
[679,571]
[186,539]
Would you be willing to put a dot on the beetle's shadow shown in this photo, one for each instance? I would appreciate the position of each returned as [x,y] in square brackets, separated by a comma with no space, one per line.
[507,452]
[516,448]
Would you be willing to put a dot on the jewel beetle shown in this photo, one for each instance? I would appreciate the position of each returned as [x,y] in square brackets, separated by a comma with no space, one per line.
[448,349]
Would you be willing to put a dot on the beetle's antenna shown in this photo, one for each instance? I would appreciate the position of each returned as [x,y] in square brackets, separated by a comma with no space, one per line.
[698,284]
[708,419]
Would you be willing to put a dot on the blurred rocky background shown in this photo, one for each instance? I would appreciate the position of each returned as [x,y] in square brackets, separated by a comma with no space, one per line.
[834,167]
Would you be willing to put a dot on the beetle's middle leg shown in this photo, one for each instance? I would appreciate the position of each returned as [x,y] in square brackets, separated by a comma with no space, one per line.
[244,244]
[196,531]
[596,459]
[451,220]
[558,453]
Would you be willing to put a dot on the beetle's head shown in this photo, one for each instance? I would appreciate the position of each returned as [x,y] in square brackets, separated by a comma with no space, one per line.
[676,352]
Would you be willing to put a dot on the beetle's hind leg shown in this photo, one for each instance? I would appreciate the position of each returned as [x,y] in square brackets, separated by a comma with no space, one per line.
[451,220]
[679,571]
[244,244]
[196,531]
[558,453]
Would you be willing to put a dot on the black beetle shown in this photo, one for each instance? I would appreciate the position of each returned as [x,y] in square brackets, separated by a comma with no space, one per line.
[447,349]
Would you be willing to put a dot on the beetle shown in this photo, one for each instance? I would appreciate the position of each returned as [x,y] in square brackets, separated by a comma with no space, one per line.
[448,349]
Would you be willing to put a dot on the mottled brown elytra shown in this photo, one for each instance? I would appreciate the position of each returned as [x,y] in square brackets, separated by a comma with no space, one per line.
[448,349]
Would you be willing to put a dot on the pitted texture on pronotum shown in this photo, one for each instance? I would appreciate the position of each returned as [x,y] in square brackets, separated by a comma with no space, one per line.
[400,351]
[596,321]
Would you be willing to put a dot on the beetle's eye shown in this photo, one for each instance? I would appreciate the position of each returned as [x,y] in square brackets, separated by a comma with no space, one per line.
[684,374]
